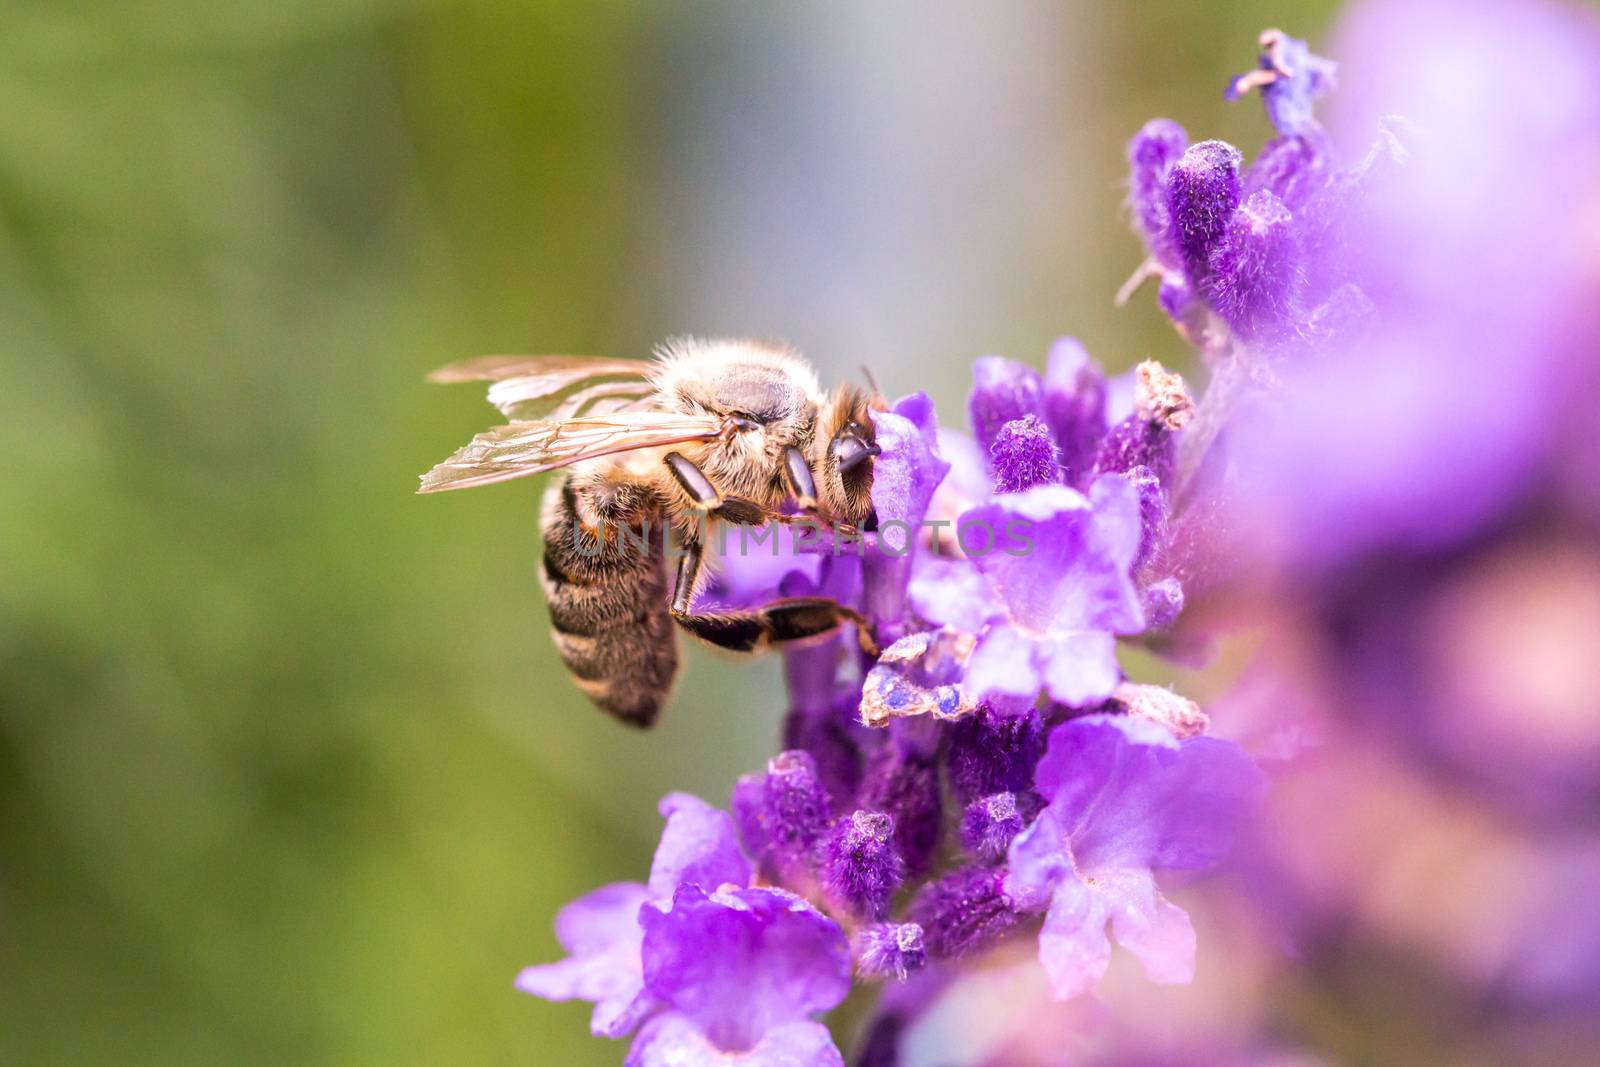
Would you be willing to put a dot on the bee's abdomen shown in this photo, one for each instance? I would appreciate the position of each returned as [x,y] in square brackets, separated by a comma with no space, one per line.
[609,614]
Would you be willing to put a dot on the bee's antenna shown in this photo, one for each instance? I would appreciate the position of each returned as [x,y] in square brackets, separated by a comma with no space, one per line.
[866,372]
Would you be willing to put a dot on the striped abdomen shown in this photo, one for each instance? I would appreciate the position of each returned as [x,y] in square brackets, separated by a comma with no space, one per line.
[609,614]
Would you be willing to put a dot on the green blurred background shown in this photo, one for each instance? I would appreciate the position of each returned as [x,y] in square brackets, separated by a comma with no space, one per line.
[288,770]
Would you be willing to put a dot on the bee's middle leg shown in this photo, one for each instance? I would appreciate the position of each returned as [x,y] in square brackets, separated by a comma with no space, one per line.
[788,619]
[705,496]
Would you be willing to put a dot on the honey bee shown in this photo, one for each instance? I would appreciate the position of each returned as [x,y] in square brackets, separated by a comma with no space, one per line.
[711,431]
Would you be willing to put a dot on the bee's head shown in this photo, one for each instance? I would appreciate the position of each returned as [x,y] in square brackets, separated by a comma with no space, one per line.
[845,444]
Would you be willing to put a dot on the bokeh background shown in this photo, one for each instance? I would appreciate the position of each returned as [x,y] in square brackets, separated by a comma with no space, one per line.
[288,770]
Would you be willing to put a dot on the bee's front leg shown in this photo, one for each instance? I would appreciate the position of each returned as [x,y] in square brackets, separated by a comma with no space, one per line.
[788,619]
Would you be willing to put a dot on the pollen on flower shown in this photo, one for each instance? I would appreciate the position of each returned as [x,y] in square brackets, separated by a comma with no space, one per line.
[1161,705]
[1161,397]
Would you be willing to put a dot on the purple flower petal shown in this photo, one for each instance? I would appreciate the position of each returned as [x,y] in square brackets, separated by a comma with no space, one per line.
[909,469]
[952,592]
[1060,560]
[699,844]
[1003,662]
[673,1040]
[1149,925]
[1073,947]
[1290,78]
[740,965]
[1075,406]
[905,476]
[1127,794]
[603,935]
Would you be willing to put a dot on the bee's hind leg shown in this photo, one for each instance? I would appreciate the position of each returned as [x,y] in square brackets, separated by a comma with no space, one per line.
[792,618]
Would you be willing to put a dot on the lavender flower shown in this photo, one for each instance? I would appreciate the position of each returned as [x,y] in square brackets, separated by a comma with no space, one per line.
[601,931]
[1061,591]
[1125,799]
[740,976]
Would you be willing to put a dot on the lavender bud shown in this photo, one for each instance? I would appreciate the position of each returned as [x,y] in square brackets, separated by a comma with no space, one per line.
[964,912]
[1075,407]
[883,949]
[1151,155]
[1163,603]
[861,869]
[993,752]
[1202,193]
[989,824]
[792,814]
[1254,275]
[1002,390]
[904,783]
[1023,455]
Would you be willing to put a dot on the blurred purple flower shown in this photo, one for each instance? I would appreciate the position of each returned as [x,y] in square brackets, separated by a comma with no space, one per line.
[1290,78]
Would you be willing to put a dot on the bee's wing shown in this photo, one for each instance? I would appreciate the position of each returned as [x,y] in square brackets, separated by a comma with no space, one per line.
[521,448]
[536,387]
